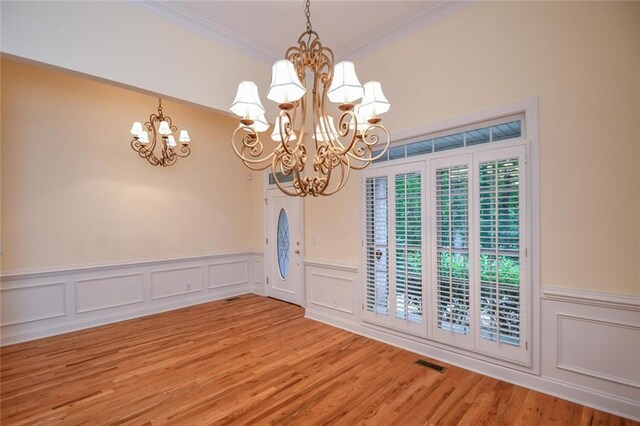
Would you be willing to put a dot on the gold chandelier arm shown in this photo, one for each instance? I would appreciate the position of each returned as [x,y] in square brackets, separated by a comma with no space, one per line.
[185,150]
[274,172]
[286,131]
[344,129]
[345,169]
[151,127]
[369,140]
[250,144]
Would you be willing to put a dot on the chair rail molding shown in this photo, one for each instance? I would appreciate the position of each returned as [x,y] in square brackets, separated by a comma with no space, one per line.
[593,298]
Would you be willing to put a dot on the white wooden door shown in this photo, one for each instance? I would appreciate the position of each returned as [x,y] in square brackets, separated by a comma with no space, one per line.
[284,247]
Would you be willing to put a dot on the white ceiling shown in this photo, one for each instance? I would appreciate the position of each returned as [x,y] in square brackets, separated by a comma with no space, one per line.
[267,28]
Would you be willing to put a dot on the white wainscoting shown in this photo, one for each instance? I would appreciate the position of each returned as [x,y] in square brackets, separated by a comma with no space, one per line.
[33,303]
[331,288]
[590,342]
[258,274]
[94,294]
[40,304]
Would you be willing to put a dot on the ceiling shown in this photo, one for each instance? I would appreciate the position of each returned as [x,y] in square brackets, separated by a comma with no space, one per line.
[265,29]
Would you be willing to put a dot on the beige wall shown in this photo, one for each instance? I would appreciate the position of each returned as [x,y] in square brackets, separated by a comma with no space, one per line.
[74,193]
[123,42]
[582,59]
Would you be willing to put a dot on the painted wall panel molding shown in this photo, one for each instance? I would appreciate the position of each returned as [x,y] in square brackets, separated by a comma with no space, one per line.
[52,302]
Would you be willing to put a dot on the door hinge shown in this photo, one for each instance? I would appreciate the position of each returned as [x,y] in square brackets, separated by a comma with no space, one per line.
[267,280]
[363,306]
[526,346]
[266,201]
[266,240]
[526,252]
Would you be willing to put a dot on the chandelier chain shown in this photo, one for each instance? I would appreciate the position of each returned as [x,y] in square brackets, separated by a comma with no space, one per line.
[307,13]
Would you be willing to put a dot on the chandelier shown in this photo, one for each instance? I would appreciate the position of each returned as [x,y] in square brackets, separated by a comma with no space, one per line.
[356,140]
[159,124]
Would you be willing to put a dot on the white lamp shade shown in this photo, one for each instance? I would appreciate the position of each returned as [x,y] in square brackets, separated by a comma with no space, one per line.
[276,135]
[345,86]
[260,124]
[164,128]
[143,137]
[373,102]
[285,84]
[171,142]
[247,102]
[136,128]
[361,120]
[184,137]
[322,134]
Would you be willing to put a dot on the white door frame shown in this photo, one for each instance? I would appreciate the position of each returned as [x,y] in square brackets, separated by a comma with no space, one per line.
[269,273]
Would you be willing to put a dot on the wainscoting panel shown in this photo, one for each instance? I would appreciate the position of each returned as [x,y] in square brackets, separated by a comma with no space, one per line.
[599,349]
[175,282]
[32,303]
[224,274]
[94,294]
[41,304]
[331,288]
[258,274]
[592,341]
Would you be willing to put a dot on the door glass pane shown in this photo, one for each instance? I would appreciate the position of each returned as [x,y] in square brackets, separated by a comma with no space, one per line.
[283,244]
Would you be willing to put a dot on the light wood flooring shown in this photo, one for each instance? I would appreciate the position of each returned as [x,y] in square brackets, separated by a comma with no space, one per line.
[252,360]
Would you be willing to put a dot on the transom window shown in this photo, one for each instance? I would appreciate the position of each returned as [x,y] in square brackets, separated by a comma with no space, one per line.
[482,133]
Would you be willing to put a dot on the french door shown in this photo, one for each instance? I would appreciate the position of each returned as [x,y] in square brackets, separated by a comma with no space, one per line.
[394,246]
[452,231]
[478,267]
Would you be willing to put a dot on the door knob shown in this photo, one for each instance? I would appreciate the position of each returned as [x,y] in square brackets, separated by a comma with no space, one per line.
[297,252]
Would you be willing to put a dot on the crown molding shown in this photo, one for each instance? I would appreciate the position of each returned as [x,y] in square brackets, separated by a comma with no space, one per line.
[436,11]
[196,23]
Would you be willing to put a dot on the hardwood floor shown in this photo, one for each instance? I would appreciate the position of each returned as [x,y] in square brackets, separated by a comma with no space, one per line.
[252,361]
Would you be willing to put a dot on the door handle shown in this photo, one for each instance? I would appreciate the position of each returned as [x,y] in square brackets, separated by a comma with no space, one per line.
[297,252]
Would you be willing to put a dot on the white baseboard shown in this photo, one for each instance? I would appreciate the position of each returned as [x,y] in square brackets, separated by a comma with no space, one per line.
[45,303]
[584,396]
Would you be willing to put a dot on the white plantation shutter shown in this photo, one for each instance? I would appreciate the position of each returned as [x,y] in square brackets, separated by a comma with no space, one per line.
[394,247]
[377,245]
[471,257]
[477,230]
[408,247]
[500,252]
[450,227]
